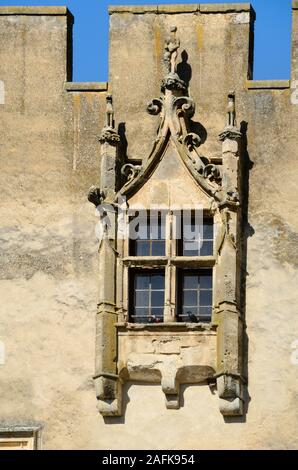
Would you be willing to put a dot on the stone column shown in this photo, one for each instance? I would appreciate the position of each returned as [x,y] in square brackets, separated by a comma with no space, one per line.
[230,324]
[107,382]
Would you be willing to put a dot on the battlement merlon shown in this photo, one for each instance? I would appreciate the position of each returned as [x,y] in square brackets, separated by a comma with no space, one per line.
[50,25]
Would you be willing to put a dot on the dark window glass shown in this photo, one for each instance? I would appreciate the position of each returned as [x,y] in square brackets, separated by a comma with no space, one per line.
[195,292]
[147,234]
[147,297]
[196,240]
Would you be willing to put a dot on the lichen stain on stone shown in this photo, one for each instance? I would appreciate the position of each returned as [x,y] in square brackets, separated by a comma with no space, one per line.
[279,238]
[76,102]
[285,242]
[200,37]
[157,42]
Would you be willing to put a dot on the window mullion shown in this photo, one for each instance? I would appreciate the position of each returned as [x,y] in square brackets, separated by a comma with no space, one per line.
[170,272]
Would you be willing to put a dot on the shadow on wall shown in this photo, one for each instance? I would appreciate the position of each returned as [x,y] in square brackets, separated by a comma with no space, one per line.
[184,69]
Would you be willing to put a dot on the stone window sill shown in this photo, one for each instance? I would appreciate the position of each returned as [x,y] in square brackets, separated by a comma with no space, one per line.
[172,327]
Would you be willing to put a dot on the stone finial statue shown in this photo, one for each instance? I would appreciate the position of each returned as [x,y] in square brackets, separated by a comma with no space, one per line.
[172,45]
[109,133]
[231,110]
[231,130]
[109,112]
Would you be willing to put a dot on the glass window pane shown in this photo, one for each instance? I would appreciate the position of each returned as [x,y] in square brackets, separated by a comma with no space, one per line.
[206,312]
[190,281]
[157,298]
[158,312]
[206,249]
[206,280]
[196,298]
[141,312]
[157,281]
[190,298]
[205,297]
[208,230]
[158,248]
[142,248]
[149,229]
[193,236]
[148,297]
[142,281]
[162,227]
[141,298]
[154,230]
[191,248]
[143,228]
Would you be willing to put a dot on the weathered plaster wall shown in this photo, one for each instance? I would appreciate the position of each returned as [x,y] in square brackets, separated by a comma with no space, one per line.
[49,158]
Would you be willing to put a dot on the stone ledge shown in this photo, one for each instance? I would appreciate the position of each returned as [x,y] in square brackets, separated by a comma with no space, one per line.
[56,11]
[16,426]
[133,9]
[86,86]
[225,8]
[166,327]
[267,84]
[295,5]
[191,8]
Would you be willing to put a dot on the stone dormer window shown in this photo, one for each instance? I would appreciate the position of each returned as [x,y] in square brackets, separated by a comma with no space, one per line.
[169,256]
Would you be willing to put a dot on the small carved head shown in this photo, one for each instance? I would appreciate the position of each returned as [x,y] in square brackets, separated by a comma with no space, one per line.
[95,196]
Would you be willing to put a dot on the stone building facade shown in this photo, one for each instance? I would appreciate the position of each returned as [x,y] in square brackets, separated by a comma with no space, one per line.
[181,121]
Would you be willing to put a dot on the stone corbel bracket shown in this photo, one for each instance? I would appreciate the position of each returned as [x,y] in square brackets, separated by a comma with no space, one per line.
[230,393]
[108,388]
[169,370]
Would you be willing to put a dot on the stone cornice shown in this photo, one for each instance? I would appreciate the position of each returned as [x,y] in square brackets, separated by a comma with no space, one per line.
[85,86]
[267,84]
[191,8]
[39,11]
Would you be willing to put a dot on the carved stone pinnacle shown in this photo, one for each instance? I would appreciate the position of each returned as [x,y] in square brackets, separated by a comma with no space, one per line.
[109,133]
[231,131]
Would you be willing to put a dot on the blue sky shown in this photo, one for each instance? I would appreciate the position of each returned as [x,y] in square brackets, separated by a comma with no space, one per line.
[272,34]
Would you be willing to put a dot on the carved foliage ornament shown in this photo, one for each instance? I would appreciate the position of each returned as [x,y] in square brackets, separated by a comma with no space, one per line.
[175,111]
